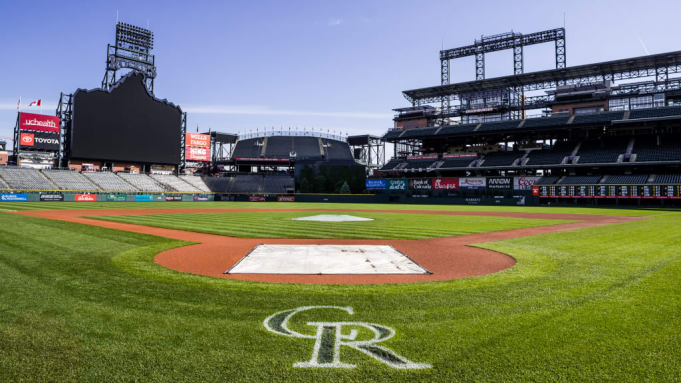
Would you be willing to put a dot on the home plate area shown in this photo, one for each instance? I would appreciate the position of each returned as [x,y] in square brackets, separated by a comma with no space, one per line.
[326,259]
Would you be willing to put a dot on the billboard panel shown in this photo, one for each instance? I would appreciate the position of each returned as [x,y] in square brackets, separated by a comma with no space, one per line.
[39,123]
[500,183]
[472,183]
[397,185]
[446,183]
[198,140]
[255,198]
[126,123]
[286,198]
[40,140]
[86,198]
[144,198]
[115,197]
[524,183]
[197,154]
[13,197]
[375,184]
[421,184]
[201,198]
[51,197]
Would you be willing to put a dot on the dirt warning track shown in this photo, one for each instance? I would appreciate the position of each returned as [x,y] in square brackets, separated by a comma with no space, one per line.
[447,258]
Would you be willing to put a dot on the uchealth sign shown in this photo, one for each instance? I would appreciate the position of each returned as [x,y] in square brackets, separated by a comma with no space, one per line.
[39,123]
[86,198]
[500,183]
[38,140]
[197,154]
[446,183]
[524,183]
[198,140]
[472,183]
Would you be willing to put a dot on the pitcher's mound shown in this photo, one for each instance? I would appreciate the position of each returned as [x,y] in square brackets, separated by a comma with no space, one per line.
[332,218]
[326,259]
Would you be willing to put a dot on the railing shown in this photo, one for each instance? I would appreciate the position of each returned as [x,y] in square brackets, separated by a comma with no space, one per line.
[275,133]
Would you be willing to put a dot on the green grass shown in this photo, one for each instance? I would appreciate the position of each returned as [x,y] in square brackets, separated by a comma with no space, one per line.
[21,206]
[82,303]
[281,225]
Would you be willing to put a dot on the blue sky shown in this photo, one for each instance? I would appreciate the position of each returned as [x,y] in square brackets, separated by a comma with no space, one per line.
[340,65]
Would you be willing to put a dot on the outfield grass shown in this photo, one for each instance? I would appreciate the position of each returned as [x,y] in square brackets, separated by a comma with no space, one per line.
[82,303]
[282,225]
[21,206]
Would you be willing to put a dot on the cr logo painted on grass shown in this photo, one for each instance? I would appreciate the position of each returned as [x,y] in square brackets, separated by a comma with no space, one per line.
[329,339]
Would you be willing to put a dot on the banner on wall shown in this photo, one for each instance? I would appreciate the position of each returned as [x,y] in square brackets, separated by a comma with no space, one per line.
[421,184]
[524,183]
[39,122]
[201,198]
[115,197]
[375,184]
[497,183]
[198,140]
[14,197]
[256,198]
[473,183]
[51,197]
[197,154]
[86,198]
[144,198]
[446,183]
[286,198]
[397,185]
[170,198]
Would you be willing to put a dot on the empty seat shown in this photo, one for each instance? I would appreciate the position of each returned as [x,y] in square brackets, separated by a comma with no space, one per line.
[108,181]
[655,112]
[277,183]
[174,183]
[457,162]
[545,122]
[196,182]
[25,178]
[463,128]
[555,155]
[392,163]
[218,184]
[501,158]
[337,150]
[419,132]
[667,179]
[143,182]
[597,117]
[249,148]
[647,150]
[580,180]
[69,180]
[600,151]
[393,134]
[626,179]
[501,125]
[547,180]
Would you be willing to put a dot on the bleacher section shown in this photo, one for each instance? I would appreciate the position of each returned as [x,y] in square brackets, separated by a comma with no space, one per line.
[550,180]
[196,182]
[391,164]
[597,117]
[108,181]
[463,128]
[591,152]
[457,162]
[278,147]
[554,155]
[393,134]
[629,179]
[420,164]
[143,182]
[545,122]
[307,148]
[419,132]
[337,150]
[3,185]
[655,112]
[580,180]
[246,184]
[667,179]
[218,184]
[25,178]
[647,150]
[502,125]
[174,183]
[248,148]
[69,180]
[501,158]
[277,184]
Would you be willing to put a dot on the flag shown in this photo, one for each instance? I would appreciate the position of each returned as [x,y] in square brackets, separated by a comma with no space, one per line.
[35,103]
[19,104]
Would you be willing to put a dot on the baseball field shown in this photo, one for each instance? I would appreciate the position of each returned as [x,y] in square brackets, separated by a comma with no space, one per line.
[99,292]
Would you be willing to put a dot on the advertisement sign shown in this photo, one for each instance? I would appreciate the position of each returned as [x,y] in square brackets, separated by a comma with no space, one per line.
[145,198]
[375,184]
[86,198]
[286,198]
[446,183]
[201,198]
[13,197]
[256,198]
[397,185]
[197,154]
[39,122]
[472,183]
[421,184]
[524,183]
[500,183]
[51,197]
[170,198]
[115,198]
[535,190]
[38,140]
[198,140]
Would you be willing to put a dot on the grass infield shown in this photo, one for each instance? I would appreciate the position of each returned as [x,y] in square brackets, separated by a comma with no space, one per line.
[83,303]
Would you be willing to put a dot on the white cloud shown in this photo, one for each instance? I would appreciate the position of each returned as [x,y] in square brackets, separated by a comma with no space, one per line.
[254,110]
[334,22]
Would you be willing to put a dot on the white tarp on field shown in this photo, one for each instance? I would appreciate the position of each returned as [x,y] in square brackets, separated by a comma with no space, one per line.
[332,218]
[326,259]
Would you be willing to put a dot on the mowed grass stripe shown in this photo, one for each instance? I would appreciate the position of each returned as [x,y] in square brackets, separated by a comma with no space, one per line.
[282,225]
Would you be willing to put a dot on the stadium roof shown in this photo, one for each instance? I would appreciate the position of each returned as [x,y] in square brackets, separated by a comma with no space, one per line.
[644,66]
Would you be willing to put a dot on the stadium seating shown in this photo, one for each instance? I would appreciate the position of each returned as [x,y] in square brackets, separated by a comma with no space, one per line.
[667,179]
[218,184]
[143,182]
[501,158]
[502,125]
[597,117]
[25,178]
[277,184]
[655,112]
[549,180]
[393,134]
[337,150]
[420,164]
[69,180]
[391,164]
[457,162]
[591,152]
[196,182]
[554,155]
[307,148]
[452,129]
[627,179]
[3,185]
[247,148]
[108,181]
[647,150]
[172,182]
[545,122]
[580,180]
[419,132]
[247,183]
[277,147]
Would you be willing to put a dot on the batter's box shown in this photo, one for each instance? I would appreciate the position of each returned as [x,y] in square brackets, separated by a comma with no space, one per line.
[326,259]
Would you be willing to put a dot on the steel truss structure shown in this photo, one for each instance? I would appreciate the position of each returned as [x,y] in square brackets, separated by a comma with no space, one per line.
[131,51]
[183,142]
[372,150]
[511,40]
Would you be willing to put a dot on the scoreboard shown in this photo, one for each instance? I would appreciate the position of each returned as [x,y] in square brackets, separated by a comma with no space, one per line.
[607,191]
